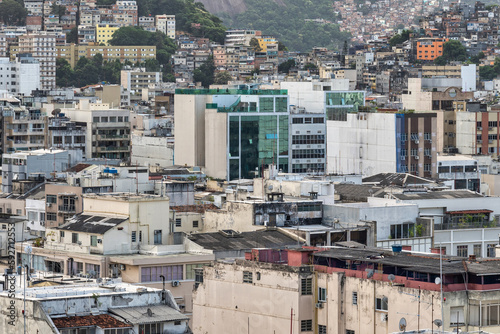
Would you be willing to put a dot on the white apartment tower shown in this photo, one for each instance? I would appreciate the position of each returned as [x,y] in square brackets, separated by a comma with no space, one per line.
[166,24]
[42,46]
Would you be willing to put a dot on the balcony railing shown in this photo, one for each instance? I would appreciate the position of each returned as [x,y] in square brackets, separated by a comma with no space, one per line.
[113,149]
[67,208]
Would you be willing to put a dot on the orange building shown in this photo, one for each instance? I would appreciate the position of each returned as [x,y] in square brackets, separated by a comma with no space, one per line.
[430,48]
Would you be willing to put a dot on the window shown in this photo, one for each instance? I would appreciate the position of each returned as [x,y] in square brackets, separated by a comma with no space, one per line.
[140,236]
[134,236]
[477,250]
[116,331]
[74,238]
[321,294]
[462,251]
[247,277]
[61,234]
[190,269]
[151,328]
[490,250]
[306,286]
[93,240]
[321,329]
[427,167]
[457,316]
[382,304]
[444,169]
[157,238]
[306,325]
[52,199]
[402,231]
[354,298]
[52,216]
[349,331]
[195,223]
[178,222]
[152,274]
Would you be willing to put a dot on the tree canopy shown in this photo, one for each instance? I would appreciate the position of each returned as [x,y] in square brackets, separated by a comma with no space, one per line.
[190,16]
[290,22]
[205,73]
[452,51]
[13,13]
[400,38]
[286,66]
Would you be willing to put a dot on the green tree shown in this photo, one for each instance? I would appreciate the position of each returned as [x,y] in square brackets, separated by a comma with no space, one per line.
[64,73]
[58,10]
[222,78]
[152,65]
[205,73]
[72,36]
[400,38]
[286,66]
[452,51]
[254,43]
[282,47]
[12,13]
[310,66]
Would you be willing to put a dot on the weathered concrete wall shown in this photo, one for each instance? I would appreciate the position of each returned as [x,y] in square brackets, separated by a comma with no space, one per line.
[152,151]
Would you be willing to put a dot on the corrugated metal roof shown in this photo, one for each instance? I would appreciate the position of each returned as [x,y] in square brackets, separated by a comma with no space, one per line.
[141,315]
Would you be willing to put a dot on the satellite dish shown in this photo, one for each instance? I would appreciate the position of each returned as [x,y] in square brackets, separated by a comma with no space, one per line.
[437,281]
[385,300]
[438,322]
[150,313]
[370,273]
[391,277]
[402,324]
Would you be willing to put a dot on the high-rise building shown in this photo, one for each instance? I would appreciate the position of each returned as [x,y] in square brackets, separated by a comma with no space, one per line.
[21,76]
[42,47]
[166,24]
[233,133]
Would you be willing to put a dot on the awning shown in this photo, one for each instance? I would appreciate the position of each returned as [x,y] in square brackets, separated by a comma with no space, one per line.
[148,314]
[468,212]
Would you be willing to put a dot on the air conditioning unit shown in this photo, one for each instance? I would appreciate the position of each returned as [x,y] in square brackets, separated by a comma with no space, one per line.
[417,141]
[122,267]
[99,241]
[416,157]
[319,305]
[49,205]
[479,141]
[403,157]
[479,128]
[176,283]
[490,129]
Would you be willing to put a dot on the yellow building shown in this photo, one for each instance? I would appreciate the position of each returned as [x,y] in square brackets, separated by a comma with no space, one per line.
[104,33]
[264,41]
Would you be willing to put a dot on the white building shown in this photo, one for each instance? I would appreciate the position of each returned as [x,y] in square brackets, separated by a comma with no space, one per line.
[20,76]
[166,24]
[42,46]
[21,165]
[137,79]
[461,172]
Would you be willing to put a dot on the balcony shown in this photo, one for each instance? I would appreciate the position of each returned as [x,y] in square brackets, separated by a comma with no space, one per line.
[67,208]
[113,149]
[113,137]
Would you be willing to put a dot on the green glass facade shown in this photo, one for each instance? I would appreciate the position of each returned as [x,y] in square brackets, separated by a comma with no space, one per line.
[338,104]
[259,138]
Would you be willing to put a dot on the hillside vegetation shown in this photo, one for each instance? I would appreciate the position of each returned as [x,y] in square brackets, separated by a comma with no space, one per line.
[286,20]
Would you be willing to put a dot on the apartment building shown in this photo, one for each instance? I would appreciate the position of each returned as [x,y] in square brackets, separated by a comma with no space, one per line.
[240,37]
[166,24]
[62,202]
[22,165]
[65,134]
[133,53]
[430,48]
[104,32]
[135,80]
[125,13]
[108,130]
[86,34]
[21,76]
[93,308]
[42,47]
[23,128]
[365,290]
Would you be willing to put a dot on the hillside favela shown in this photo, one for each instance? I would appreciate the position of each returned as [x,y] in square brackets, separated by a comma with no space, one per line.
[249,166]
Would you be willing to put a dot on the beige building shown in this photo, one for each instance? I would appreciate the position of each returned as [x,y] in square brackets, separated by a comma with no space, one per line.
[344,290]
[133,53]
[166,24]
[62,201]
[108,129]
